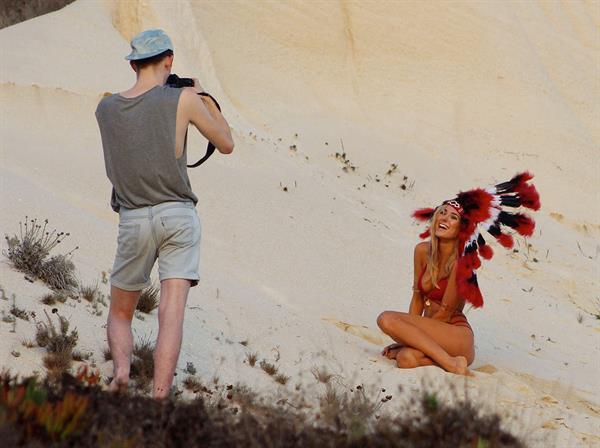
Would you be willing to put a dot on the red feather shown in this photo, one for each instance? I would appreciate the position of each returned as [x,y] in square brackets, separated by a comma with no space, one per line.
[505,240]
[530,198]
[469,292]
[486,252]
[424,234]
[521,179]
[423,214]
[476,204]
[525,225]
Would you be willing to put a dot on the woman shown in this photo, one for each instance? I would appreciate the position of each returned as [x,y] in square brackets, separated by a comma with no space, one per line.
[435,331]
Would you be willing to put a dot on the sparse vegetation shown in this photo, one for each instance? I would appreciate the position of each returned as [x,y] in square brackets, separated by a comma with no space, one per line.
[252,358]
[192,384]
[142,364]
[19,313]
[268,368]
[28,343]
[54,297]
[321,374]
[149,299]
[29,253]
[281,378]
[89,293]
[580,317]
[189,368]
[58,342]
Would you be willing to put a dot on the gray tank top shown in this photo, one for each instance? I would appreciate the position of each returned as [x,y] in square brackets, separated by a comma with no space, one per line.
[138,138]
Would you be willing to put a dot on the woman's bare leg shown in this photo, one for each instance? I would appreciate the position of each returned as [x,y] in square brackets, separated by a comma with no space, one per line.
[409,358]
[448,345]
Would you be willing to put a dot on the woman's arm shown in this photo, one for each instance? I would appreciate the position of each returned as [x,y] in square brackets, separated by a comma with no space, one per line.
[450,301]
[416,303]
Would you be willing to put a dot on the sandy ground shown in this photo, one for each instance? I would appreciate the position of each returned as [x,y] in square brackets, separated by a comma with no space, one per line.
[299,256]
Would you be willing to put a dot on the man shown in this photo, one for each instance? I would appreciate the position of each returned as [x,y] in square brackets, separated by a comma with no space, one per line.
[144,132]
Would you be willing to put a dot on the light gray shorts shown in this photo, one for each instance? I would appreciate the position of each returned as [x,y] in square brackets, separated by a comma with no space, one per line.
[169,231]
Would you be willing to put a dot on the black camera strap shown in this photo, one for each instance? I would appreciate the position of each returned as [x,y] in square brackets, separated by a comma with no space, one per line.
[210,148]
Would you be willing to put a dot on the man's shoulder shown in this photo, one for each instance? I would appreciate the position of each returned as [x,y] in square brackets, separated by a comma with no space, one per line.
[107,99]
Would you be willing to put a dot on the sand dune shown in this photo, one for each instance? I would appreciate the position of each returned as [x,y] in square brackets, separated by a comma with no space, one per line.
[456,94]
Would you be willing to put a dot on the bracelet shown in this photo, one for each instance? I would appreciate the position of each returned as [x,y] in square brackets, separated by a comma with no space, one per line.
[416,289]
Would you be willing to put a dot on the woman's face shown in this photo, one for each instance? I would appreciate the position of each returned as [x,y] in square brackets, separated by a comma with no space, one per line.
[447,223]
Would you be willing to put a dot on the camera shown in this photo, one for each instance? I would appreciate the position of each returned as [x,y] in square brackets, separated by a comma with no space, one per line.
[175,81]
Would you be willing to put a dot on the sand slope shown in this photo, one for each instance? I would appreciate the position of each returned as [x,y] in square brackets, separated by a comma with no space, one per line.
[299,257]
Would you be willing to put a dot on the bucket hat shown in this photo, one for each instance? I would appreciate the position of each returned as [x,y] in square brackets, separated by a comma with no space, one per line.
[149,43]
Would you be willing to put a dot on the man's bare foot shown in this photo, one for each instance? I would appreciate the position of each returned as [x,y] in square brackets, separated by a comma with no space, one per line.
[118,385]
[459,366]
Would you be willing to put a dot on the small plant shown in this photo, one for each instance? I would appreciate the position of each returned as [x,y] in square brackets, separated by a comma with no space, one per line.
[192,384]
[149,299]
[579,317]
[28,343]
[19,313]
[106,354]
[189,368]
[89,293]
[58,342]
[15,353]
[269,368]
[54,297]
[321,375]
[142,365]
[252,358]
[29,251]
[281,378]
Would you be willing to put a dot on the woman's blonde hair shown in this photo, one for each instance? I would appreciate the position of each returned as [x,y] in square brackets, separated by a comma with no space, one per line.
[433,256]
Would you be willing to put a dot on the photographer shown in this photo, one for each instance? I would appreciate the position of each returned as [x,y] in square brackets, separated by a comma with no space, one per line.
[144,131]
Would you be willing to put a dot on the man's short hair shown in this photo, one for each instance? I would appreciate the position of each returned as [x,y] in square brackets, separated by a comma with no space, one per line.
[142,63]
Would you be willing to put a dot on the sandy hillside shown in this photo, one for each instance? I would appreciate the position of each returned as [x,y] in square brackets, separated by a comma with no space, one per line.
[300,256]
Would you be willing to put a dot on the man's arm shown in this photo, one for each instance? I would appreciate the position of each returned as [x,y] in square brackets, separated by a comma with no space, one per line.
[202,112]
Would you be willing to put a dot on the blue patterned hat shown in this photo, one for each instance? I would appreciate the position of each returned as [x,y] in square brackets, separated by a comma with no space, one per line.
[149,43]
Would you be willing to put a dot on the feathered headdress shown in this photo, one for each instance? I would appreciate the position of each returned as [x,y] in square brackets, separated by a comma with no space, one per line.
[482,209]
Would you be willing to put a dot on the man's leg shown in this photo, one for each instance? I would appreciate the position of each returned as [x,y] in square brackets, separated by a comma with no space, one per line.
[120,337]
[173,297]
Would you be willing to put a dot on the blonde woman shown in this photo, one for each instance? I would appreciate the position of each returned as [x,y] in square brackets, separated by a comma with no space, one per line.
[435,331]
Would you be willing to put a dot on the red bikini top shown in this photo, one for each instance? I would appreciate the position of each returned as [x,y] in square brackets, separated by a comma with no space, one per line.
[436,294]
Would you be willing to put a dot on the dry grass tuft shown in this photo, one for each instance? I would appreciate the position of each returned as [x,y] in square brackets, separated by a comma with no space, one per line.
[54,297]
[89,293]
[192,384]
[29,252]
[106,354]
[189,368]
[28,343]
[142,365]
[321,374]
[281,378]
[252,358]
[149,299]
[269,368]
[58,342]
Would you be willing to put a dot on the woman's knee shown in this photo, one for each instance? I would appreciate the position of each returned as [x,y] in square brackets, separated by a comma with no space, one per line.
[385,320]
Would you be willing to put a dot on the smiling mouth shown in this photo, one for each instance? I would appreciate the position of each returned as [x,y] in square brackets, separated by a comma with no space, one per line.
[443,226]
